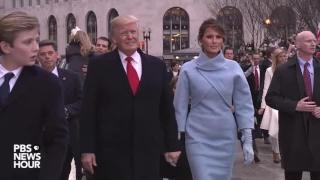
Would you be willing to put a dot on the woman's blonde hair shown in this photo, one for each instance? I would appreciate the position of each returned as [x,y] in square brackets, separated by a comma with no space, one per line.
[275,59]
[83,39]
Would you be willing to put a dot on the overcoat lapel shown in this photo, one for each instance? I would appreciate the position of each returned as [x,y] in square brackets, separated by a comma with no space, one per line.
[300,81]
[23,83]
[120,73]
[123,75]
[316,83]
[63,79]
[145,72]
[302,91]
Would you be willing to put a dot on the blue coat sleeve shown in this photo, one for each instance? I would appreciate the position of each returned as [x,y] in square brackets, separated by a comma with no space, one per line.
[242,101]
[181,100]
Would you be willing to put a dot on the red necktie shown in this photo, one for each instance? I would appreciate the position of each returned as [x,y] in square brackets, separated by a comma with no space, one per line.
[256,78]
[132,75]
[307,81]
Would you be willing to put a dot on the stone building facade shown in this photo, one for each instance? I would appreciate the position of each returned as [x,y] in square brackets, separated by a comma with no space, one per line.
[174,23]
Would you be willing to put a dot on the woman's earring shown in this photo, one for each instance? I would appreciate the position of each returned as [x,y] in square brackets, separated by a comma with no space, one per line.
[200,44]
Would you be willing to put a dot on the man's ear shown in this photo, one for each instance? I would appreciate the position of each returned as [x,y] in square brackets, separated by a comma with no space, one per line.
[5,47]
[297,45]
[113,40]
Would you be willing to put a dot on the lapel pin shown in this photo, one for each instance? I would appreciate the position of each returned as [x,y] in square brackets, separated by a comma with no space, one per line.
[64,78]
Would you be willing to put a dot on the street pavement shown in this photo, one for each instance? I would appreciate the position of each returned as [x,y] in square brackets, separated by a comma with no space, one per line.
[265,170]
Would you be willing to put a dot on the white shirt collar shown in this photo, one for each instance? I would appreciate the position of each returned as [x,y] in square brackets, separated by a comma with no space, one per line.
[4,71]
[55,71]
[135,56]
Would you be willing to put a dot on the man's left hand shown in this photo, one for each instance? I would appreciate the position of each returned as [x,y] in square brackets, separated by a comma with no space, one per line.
[316,112]
[172,157]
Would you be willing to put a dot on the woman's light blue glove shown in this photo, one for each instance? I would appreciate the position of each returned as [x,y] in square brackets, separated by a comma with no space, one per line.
[247,146]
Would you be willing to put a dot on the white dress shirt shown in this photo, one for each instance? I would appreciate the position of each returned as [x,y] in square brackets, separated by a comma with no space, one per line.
[136,62]
[13,80]
[258,70]
[252,70]
[249,72]
[55,71]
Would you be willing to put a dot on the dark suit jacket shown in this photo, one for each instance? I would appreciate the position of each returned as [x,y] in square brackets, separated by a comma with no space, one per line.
[251,80]
[170,75]
[298,131]
[182,171]
[72,93]
[252,86]
[256,103]
[127,132]
[263,68]
[34,114]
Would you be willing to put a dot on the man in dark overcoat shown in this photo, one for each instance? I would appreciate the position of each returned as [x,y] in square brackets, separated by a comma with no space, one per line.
[294,92]
[128,118]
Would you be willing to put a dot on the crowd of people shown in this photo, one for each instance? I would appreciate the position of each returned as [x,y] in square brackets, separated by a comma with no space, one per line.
[121,115]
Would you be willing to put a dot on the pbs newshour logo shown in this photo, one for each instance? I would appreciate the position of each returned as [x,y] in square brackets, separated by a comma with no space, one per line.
[26,156]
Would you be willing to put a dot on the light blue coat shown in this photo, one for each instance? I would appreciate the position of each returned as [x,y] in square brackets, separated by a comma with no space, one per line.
[214,85]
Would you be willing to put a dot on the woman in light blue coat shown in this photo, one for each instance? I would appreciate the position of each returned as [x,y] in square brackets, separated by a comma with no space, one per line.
[214,85]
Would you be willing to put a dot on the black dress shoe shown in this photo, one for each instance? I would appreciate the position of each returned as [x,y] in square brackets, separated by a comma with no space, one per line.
[266,141]
[256,159]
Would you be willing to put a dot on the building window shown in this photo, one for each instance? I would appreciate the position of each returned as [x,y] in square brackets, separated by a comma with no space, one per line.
[22,3]
[47,1]
[231,19]
[56,1]
[13,3]
[65,0]
[92,27]
[52,28]
[71,24]
[112,14]
[30,2]
[175,30]
[38,2]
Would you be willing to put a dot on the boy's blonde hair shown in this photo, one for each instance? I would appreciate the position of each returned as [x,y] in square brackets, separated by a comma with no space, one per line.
[13,23]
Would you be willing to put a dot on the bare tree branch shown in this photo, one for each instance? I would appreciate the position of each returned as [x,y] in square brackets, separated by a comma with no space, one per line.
[308,13]
[253,15]
[287,16]
[214,6]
